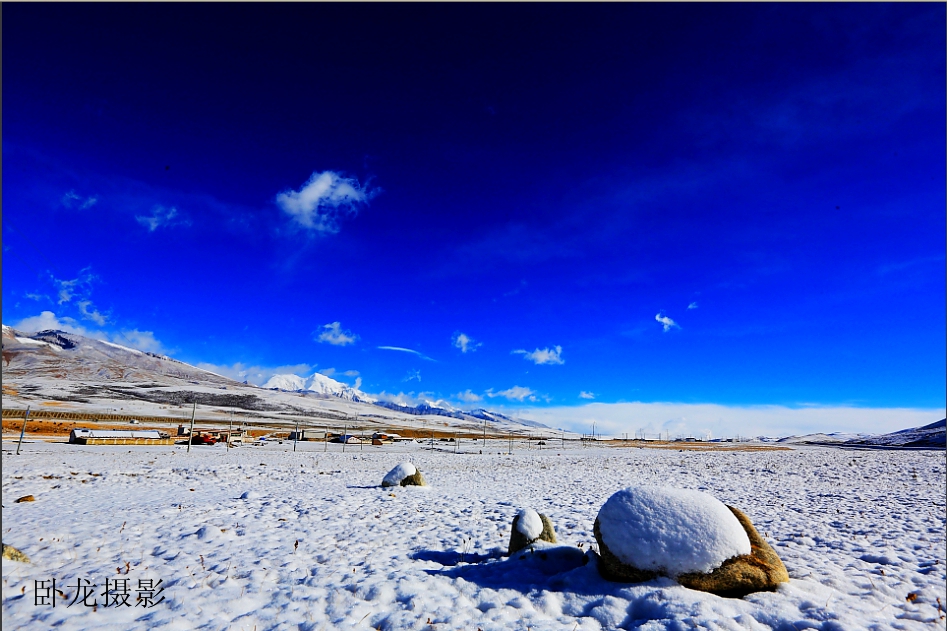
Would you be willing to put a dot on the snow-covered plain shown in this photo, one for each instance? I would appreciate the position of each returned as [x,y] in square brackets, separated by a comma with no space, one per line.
[859,531]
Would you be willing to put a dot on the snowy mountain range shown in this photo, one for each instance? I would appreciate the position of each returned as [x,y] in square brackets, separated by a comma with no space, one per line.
[71,372]
[317,383]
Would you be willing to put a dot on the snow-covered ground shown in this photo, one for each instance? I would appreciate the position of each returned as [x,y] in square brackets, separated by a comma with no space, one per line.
[862,534]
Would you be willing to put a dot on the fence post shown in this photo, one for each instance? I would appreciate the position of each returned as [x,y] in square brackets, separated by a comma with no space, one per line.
[23,430]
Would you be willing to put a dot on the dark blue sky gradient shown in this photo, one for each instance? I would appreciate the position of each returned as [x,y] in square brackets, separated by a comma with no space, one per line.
[543,175]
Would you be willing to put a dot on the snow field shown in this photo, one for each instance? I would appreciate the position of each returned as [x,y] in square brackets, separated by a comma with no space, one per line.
[858,532]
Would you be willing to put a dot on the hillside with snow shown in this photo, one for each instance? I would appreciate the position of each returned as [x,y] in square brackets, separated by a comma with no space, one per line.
[71,373]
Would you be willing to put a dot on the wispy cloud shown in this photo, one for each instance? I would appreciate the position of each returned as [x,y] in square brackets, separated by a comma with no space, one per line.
[324,200]
[405,350]
[80,287]
[47,320]
[667,322]
[516,393]
[468,396]
[160,217]
[90,313]
[37,297]
[692,305]
[586,395]
[332,333]
[412,375]
[543,355]
[465,343]
[74,200]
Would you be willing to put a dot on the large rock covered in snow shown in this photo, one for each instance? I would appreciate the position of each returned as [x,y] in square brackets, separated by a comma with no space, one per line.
[529,527]
[646,532]
[405,474]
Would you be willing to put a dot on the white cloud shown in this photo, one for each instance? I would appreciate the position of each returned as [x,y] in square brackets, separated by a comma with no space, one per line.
[328,372]
[412,375]
[74,200]
[468,396]
[684,419]
[351,373]
[692,305]
[586,395]
[323,201]
[333,334]
[543,355]
[160,216]
[516,393]
[465,343]
[405,350]
[256,375]
[666,321]
[37,297]
[47,320]
[90,313]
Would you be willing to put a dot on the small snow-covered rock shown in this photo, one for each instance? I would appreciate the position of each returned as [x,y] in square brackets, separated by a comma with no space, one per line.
[405,474]
[249,495]
[529,527]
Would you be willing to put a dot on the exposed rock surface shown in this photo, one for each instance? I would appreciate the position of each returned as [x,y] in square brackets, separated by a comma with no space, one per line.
[25,498]
[11,553]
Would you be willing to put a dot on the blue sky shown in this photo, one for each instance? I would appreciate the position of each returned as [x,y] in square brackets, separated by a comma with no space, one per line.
[510,206]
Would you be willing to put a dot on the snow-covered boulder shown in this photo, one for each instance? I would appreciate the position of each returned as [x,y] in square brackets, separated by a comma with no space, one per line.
[649,531]
[529,527]
[405,474]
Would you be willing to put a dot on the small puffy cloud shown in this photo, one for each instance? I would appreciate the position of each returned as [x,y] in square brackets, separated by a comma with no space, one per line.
[142,340]
[37,297]
[516,393]
[74,200]
[468,396]
[332,333]
[692,305]
[160,216]
[323,201]
[465,343]
[328,372]
[667,322]
[405,350]
[543,355]
[90,313]
[586,395]
[351,373]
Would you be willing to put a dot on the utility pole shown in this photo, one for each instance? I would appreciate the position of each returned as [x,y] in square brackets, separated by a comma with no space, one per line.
[296,435]
[230,433]
[190,434]
[345,436]
[23,430]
